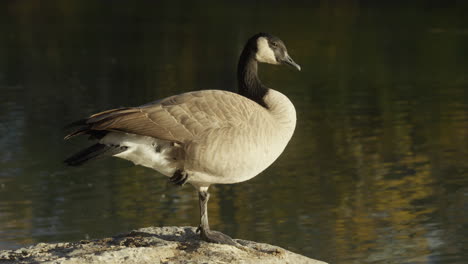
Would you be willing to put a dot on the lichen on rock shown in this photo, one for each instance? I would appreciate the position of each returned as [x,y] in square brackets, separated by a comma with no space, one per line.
[178,245]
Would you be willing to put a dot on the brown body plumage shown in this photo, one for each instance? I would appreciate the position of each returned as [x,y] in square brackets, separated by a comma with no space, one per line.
[215,136]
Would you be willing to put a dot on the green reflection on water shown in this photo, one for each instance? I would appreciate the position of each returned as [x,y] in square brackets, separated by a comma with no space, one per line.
[376,171]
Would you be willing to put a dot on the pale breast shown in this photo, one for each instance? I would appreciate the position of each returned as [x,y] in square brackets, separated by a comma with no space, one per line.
[236,154]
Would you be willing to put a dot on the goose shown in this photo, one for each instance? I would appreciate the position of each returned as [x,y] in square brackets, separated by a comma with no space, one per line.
[202,137]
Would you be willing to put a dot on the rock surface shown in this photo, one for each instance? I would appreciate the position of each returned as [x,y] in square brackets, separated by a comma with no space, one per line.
[153,245]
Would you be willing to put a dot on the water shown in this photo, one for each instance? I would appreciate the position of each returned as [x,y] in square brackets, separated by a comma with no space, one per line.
[376,172]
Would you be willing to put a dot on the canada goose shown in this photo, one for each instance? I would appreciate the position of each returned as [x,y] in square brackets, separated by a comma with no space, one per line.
[203,137]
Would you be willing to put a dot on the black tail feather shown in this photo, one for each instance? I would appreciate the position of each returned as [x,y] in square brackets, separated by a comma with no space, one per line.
[94,134]
[93,152]
[76,133]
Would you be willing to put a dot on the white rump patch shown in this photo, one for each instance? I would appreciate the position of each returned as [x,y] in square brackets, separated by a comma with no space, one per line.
[264,52]
[157,154]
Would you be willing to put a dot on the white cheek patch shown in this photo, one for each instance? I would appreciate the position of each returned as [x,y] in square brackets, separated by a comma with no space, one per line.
[264,52]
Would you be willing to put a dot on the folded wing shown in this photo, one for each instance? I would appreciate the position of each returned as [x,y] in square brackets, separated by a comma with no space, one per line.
[177,118]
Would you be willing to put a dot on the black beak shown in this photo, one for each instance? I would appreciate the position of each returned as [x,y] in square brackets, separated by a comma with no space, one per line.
[290,61]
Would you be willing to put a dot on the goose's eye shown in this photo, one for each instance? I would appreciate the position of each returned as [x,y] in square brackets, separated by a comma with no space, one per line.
[274,44]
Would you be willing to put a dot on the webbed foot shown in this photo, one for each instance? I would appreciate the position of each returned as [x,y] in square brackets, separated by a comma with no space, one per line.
[216,237]
[180,177]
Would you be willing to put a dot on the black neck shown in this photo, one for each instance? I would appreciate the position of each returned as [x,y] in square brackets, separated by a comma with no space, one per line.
[247,77]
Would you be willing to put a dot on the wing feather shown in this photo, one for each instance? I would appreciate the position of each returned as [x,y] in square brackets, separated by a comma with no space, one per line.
[177,118]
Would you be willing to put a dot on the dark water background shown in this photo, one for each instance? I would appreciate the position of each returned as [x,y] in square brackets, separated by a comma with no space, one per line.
[377,171]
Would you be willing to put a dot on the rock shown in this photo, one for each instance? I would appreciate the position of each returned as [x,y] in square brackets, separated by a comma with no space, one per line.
[178,245]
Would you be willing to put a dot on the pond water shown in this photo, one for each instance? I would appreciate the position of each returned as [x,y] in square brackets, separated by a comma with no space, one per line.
[377,171]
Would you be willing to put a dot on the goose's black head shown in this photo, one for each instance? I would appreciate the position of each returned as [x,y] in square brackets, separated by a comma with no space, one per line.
[270,49]
[264,48]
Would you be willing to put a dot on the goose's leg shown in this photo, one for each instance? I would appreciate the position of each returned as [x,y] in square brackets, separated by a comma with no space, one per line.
[204,228]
